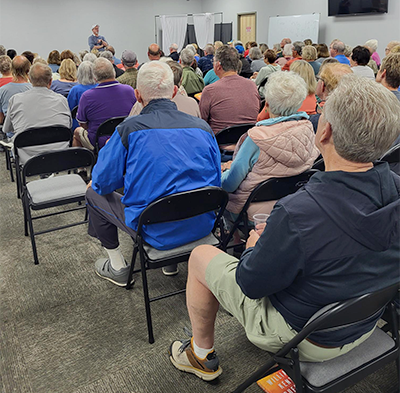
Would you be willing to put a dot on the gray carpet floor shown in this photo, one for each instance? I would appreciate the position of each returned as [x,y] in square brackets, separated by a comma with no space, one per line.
[63,329]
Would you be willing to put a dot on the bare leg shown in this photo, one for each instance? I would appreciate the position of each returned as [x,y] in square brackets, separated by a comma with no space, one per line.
[76,141]
[201,303]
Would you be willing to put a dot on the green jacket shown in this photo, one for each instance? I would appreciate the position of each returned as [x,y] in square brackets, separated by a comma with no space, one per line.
[192,82]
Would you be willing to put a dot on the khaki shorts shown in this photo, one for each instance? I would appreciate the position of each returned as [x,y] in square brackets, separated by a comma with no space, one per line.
[264,325]
[84,138]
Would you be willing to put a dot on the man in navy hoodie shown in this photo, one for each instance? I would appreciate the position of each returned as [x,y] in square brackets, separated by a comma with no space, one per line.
[335,239]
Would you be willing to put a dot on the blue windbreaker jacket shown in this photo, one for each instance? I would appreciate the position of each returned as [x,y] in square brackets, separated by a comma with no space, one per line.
[160,152]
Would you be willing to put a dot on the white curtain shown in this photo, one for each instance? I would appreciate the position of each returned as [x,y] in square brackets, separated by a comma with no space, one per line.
[204,29]
[173,31]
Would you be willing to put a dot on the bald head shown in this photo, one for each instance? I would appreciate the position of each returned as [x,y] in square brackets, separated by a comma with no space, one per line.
[20,67]
[153,52]
[40,75]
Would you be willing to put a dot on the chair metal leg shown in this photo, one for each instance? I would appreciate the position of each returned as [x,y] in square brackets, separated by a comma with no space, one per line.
[24,207]
[9,163]
[132,268]
[146,296]
[32,235]
[19,182]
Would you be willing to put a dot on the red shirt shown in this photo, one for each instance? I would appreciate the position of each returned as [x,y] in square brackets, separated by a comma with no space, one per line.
[286,67]
[5,80]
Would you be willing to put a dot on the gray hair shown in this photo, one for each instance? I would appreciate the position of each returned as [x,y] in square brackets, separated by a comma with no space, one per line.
[177,71]
[191,48]
[174,47]
[2,50]
[298,46]
[209,49]
[107,55]
[155,80]
[82,54]
[287,50]
[85,73]
[255,53]
[338,46]
[364,117]
[103,69]
[373,44]
[228,57]
[285,92]
[90,57]
[187,57]
[5,64]
[40,75]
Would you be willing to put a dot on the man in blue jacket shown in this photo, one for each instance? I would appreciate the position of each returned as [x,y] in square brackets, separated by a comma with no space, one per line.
[160,152]
[335,239]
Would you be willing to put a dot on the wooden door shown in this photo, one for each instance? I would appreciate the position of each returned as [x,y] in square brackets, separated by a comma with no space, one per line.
[247,27]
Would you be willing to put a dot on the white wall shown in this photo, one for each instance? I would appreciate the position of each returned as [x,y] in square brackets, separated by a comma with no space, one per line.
[43,25]
[353,30]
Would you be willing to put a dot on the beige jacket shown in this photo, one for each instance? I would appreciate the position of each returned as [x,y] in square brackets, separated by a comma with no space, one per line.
[286,149]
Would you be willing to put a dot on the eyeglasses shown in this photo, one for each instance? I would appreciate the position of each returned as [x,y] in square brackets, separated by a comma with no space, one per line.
[319,79]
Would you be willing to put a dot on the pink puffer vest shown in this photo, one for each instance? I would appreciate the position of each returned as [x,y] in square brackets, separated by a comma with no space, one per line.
[286,149]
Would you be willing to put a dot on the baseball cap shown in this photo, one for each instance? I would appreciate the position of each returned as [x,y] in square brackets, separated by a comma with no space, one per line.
[129,58]
[239,48]
[94,26]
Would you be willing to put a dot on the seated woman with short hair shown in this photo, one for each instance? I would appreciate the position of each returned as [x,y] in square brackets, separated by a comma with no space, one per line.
[359,59]
[280,146]
[67,79]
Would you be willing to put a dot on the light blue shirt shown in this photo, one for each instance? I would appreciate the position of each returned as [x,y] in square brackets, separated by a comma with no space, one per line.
[8,90]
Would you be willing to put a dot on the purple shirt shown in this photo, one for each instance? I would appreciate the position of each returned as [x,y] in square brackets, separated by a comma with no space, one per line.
[108,99]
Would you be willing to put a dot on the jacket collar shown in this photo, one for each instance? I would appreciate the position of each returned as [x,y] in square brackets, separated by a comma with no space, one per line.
[159,104]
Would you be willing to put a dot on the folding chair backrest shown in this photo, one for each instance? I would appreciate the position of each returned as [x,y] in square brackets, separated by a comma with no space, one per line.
[278,187]
[183,205]
[107,128]
[58,161]
[392,155]
[74,111]
[231,135]
[42,136]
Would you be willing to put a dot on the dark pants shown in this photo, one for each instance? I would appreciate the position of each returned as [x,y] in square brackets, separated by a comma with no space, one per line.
[106,215]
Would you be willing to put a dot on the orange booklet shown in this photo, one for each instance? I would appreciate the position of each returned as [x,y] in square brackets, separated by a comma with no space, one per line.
[278,382]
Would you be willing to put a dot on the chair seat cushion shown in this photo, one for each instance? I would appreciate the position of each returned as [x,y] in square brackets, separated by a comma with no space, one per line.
[319,374]
[154,254]
[56,188]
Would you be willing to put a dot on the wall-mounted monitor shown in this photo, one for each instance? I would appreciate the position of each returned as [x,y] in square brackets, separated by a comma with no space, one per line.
[356,7]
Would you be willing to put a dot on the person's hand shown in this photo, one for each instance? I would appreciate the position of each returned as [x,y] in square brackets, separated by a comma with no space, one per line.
[260,228]
[89,185]
[254,76]
[226,165]
[252,240]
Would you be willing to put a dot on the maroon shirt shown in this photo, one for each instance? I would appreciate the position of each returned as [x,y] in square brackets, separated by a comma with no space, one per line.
[230,101]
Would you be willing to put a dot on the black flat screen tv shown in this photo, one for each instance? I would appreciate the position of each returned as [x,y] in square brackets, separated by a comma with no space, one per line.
[356,7]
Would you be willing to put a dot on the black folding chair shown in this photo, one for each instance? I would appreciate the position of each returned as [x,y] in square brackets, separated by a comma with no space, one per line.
[171,208]
[334,375]
[53,191]
[74,111]
[37,137]
[270,190]
[106,129]
[319,164]
[230,136]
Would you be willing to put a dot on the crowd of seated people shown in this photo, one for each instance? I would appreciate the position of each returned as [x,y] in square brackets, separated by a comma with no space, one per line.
[319,99]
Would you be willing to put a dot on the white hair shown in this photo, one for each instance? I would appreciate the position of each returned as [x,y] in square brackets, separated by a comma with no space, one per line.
[285,92]
[90,57]
[174,47]
[85,73]
[373,44]
[364,117]
[287,50]
[187,57]
[191,48]
[155,80]
[255,53]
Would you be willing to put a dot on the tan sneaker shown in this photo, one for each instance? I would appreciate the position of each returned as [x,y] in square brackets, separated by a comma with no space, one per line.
[183,358]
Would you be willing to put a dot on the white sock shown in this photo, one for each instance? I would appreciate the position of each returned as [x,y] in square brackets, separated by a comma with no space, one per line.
[201,353]
[117,260]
